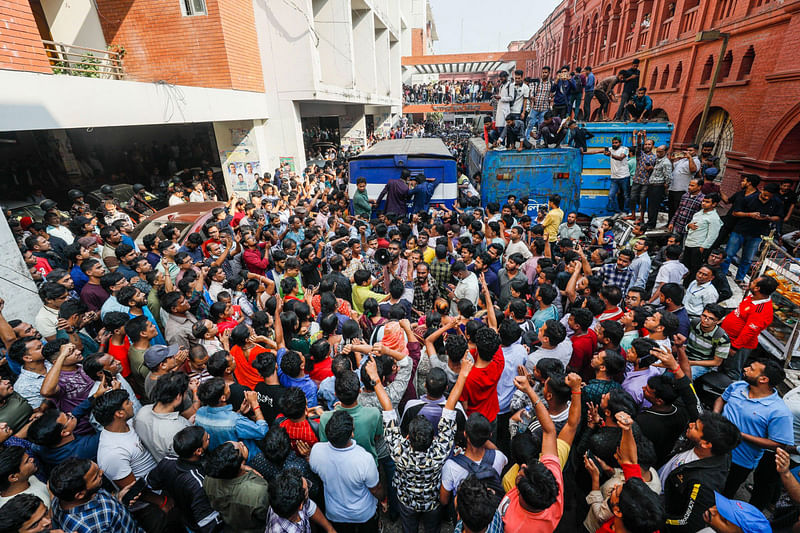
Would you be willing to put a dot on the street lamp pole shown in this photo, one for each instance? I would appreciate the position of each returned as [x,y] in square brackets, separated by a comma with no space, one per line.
[706,36]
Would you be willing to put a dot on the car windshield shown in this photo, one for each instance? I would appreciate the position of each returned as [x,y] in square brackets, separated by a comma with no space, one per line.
[154,226]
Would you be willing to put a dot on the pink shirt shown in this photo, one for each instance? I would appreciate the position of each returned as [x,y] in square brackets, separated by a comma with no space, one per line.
[518,520]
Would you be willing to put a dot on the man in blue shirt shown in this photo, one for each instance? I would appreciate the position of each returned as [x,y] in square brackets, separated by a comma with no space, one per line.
[641,105]
[588,92]
[754,406]
[561,90]
[222,423]
[423,192]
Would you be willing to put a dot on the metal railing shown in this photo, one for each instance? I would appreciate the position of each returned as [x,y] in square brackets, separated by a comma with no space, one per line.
[86,62]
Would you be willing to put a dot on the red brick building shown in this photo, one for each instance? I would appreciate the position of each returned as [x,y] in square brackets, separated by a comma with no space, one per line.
[755,111]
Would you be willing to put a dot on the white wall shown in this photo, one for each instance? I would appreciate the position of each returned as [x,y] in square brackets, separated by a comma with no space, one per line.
[364,53]
[31,101]
[334,28]
[74,22]
[16,286]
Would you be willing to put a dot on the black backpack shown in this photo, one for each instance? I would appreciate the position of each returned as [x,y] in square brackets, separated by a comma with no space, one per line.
[484,471]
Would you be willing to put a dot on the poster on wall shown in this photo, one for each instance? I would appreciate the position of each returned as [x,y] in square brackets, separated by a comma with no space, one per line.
[244,175]
[242,167]
[288,161]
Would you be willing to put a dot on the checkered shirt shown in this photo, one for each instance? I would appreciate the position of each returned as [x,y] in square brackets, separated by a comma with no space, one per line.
[102,513]
[423,301]
[612,276]
[540,96]
[643,159]
[686,209]
[440,270]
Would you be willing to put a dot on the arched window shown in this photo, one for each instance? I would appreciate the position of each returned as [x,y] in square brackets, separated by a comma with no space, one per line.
[676,78]
[725,66]
[747,63]
[654,79]
[708,68]
[664,78]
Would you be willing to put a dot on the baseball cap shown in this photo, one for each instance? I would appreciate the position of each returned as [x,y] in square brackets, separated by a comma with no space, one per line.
[25,222]
[711,171]
[742,514]
[157,353]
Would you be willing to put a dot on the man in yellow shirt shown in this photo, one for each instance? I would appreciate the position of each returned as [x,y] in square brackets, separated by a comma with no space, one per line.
[362,289]
[553,218]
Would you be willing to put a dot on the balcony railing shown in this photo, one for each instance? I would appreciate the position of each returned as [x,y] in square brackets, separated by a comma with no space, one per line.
[643,36]
[628,45]
[663,32]
[689,19]
[86,62]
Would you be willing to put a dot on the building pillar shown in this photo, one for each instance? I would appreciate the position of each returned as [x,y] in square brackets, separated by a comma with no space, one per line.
[353,127]
[16,286]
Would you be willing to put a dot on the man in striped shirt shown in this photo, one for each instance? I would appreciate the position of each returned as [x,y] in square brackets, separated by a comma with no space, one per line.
[707,345]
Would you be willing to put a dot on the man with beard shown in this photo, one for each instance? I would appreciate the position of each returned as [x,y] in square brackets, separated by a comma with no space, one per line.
[570,229]
[396,268]
[81,503]
[111,239]
[765,421]
[53,296]
[508,274]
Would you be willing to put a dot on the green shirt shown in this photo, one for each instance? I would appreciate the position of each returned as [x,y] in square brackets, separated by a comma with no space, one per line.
[361,205]
[242,501]
[361,293]
[16,411]
[367,426]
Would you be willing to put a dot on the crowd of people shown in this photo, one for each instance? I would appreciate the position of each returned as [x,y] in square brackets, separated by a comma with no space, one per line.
[566,93]
[309,361]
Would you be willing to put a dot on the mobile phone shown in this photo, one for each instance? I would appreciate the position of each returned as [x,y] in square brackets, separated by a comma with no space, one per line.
[136,489]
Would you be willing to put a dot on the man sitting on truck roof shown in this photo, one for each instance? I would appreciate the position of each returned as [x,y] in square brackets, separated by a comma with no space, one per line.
[513,133]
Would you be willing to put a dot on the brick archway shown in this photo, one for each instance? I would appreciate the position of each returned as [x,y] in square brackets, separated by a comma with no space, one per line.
[780,134]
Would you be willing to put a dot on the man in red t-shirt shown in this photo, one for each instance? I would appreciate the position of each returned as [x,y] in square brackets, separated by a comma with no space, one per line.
[480,390]
[752,316]
[584,340]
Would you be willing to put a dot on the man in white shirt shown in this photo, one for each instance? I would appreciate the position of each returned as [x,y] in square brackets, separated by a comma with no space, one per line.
[570,229]
[517,245]
[620,175]
[684,168]
[701,291]
[555,344]
[120,453]
[672,271]
[521,94]
[350,476]
[504,97]
[640,264]
[703,231]
[467,287]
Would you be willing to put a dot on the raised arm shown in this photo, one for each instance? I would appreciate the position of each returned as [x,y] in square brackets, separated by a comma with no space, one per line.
[490,316]
[523,383]
[50,384]
[567,433]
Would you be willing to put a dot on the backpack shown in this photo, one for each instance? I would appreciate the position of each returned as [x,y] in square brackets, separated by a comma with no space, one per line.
[484,471]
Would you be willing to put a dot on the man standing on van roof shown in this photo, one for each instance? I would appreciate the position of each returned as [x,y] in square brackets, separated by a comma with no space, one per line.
[396,191]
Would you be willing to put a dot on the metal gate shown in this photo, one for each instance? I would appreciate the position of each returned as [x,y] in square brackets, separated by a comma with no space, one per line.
[719,130]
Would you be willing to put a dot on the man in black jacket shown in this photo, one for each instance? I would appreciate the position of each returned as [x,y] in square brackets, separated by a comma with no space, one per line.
[690,478]
[182,478]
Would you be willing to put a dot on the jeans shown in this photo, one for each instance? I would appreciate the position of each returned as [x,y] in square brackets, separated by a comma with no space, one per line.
[410,520]
[698,371]
[674,202]
[622,112]
[534,119]
[638,196]
[370,526]
[619,185]
[575,103]
[587,105]
[748,245]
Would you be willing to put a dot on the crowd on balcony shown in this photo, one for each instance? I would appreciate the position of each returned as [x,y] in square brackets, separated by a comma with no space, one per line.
[449,92]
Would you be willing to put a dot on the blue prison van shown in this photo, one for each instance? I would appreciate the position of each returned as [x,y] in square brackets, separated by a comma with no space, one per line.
[582,180]
[387,159]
